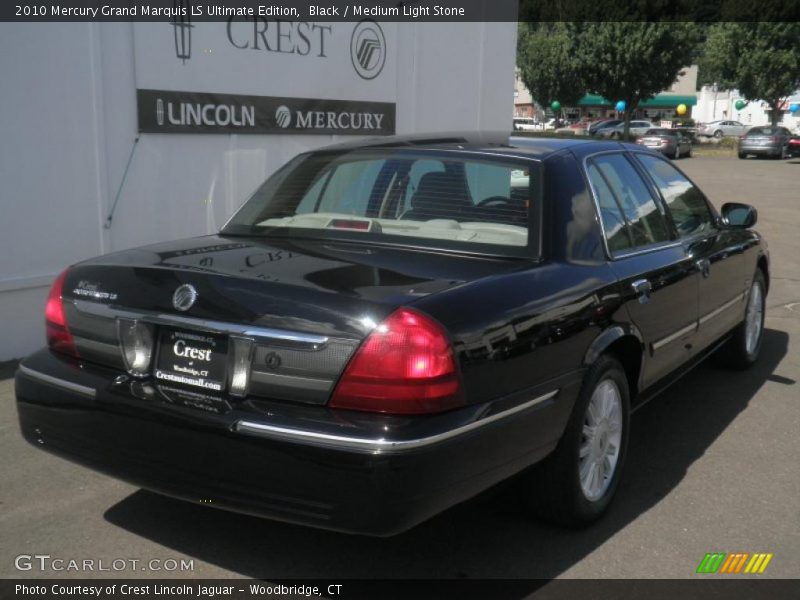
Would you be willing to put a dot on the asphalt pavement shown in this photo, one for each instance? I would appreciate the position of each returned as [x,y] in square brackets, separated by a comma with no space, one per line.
[713,466]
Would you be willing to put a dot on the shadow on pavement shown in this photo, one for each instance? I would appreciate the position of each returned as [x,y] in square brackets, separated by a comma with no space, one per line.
[488,536]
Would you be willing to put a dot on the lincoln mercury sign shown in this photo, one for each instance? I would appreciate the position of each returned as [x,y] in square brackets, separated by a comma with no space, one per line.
[256,75]
[162,111]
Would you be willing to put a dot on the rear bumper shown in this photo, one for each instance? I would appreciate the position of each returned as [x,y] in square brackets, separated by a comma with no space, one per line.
[760,150]
[358,473]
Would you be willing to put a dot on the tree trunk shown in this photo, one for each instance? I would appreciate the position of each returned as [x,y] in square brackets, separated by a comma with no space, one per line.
[626,132]
[775,113]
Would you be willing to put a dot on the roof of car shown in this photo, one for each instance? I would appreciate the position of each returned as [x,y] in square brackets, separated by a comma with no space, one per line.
[482,142]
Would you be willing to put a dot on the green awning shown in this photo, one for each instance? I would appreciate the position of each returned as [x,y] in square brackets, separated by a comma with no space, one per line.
[659,101]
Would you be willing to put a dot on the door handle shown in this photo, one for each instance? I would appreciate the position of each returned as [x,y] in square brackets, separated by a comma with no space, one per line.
[704,266]
[642,289]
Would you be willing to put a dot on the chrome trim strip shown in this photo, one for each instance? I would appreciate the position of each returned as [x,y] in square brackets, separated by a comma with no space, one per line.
[720,309]
[315,342]
[62,383]
[375,446]
[674,336]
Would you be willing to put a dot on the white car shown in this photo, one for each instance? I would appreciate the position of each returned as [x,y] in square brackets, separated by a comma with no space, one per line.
[719,129]
[525,124]
[637,129]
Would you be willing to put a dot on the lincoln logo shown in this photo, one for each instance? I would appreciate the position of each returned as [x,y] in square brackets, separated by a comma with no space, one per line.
[184,297]
[283,116]
[160,112]
[368,49]
[182,27]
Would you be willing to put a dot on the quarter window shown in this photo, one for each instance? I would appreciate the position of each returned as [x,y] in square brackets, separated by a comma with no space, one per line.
[614,226]
[685,202]
[643,219]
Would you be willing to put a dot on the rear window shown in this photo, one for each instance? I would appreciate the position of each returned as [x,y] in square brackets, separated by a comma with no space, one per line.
[400,196]
[762,131]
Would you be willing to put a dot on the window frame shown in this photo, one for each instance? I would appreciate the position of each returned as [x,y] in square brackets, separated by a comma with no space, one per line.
[634,250]
[715,219]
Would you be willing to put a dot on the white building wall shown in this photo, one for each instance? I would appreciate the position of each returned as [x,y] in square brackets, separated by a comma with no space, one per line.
[69,123]
[721,105]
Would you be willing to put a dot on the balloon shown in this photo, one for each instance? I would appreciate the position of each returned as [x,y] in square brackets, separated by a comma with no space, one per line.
[793,108]
[555,105]
[740,104]
[681,109]
[621,106]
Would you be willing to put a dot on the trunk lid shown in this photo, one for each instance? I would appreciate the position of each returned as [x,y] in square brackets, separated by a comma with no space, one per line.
[306,304]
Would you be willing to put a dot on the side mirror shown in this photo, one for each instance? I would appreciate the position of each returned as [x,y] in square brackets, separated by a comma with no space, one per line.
[739,216]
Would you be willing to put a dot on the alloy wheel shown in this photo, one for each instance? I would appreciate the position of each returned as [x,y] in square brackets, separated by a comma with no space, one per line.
[754,318]
[600,440]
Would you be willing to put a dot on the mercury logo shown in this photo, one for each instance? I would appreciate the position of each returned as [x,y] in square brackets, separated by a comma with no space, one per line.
[368,49]
[283,116]
[184,297]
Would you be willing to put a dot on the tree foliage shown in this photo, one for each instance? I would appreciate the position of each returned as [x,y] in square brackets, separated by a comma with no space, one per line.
[761,60]
[623,60]
[633,61]
[547,62]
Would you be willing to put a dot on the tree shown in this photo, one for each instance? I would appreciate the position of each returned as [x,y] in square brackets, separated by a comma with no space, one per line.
[632,61]
[546,59]
[761,60]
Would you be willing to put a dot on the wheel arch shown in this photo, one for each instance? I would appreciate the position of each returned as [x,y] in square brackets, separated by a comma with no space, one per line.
[763,265]
[625,342]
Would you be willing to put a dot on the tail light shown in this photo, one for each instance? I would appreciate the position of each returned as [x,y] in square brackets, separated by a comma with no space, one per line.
[58,336]
[405,366]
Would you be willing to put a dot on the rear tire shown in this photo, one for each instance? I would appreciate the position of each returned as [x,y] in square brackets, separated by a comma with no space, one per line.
[742,155]
[743,348]
[718,134]
[575,484]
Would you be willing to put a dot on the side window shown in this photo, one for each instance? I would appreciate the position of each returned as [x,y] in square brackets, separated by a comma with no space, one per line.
[646,223]
[610,213]
[685,202]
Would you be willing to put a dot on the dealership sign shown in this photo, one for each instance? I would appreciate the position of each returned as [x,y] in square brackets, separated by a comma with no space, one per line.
[259,75]
[162,111]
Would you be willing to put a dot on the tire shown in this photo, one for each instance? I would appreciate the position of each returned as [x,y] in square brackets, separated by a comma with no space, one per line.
[554,489]
[742,350]
[742,155]
[677,153]
[718,134]
[689,153]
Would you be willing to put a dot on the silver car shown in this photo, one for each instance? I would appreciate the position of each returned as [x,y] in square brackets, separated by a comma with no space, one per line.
[671,142]
[637,129]
[765,141]
[720,129]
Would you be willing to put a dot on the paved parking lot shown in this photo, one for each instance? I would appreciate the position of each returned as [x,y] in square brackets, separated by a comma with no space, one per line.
[713,467]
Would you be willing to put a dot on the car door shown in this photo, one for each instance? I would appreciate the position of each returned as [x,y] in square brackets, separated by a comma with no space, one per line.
[715,251]
[658,280]
[738,128]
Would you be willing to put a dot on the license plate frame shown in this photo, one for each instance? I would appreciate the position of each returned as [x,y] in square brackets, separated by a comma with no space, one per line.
[194,360]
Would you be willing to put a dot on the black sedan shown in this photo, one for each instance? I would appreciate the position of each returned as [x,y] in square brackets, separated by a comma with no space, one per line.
[388,328]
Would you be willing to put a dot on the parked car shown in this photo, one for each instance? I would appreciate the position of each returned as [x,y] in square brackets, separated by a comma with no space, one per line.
[525,124]
[720,129]
[636,128]
[765,141]
[597,126]
[671,142]
[388,327]
[794,146]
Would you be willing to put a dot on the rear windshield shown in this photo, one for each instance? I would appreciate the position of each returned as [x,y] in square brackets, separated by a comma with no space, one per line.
[763,131]
[437,198]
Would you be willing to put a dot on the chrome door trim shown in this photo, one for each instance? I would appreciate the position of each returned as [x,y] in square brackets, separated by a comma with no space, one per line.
[310,341]
[674,336]
[57,382]
[723,307]
[375,445]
